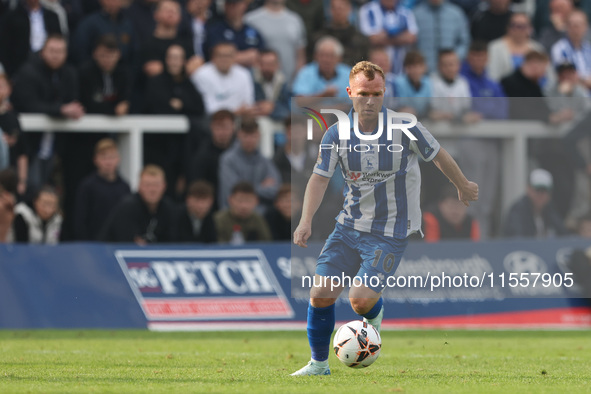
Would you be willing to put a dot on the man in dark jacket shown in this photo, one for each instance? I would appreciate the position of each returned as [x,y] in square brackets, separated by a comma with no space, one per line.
[17,37]
[144,217]
[524,82]
[533,215]
[105,83]
[205,163]
[196,222]
[109,20]
[99,192]
[47,85]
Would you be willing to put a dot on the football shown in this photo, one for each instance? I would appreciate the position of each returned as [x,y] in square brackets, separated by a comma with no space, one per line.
[357,344]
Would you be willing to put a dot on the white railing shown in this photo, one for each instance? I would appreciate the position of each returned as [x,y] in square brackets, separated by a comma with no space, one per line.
[131,129]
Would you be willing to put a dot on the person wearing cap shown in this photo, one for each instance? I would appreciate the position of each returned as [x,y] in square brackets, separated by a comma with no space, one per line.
[533,215]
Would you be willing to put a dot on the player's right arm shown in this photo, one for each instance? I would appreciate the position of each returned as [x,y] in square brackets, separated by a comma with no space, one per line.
[323,171]
[312,199]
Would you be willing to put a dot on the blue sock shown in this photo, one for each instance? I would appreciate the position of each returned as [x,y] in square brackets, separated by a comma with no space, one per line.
[320,326]
[373,312]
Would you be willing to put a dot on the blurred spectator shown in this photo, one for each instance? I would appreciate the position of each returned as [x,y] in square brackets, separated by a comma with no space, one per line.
[109,20]
[524,82]
[575,48]
[414,87]
[225,84]
[153,52]
[196,222]
[379,56]
[491,22]
[326,76]
[390,25]
[205,162]
[194,21]
[443,25]
[11,136]
[505,54]
[355,43]
[240,222]
[569,92]
[474,70]
[451,93]
[533,215]
[24,30]
[271,88]
[449,218]
[41,222]
[141,14]
[105,85]
[7,202]
[144,217]
[312,14]
[278,217]
[556,29]
[244,163]
[47,85]
[232,28]
[292,159]
[283,32]
[99,193]
[171,93]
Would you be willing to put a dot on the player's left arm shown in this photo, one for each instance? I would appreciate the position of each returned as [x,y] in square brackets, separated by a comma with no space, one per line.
[467,191]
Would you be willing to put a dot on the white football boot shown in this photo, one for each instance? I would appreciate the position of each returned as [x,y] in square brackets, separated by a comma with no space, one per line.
[313,368]
[376,321]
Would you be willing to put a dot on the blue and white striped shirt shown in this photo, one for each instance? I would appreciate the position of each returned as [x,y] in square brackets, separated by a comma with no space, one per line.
[564,52]
[382,188]
[373,18]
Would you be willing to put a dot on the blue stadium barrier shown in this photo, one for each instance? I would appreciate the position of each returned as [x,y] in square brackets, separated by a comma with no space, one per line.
[170,287]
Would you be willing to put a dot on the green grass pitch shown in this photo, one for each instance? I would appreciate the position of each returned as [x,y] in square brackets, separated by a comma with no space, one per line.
[255,362]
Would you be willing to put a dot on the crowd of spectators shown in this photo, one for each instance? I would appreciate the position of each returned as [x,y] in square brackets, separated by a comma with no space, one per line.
[224,64]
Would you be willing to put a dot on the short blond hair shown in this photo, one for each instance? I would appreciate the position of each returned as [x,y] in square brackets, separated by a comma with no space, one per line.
[153,170]
[368,69]
[104,145]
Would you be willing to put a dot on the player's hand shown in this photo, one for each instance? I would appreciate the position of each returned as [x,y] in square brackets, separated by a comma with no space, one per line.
[301,235]
[468,193]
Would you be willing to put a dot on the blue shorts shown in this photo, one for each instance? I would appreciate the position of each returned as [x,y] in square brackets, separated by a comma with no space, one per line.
[351,253]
